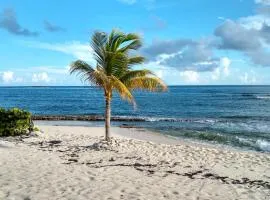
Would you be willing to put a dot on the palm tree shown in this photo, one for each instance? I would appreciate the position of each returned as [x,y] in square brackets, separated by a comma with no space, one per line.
[114,56]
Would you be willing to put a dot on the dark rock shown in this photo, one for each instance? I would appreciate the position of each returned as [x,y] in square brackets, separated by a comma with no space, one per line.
[111,159]
[53,142]
[127,126]
[72,160]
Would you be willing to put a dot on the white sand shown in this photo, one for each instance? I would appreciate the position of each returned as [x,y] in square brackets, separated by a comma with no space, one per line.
[80,167]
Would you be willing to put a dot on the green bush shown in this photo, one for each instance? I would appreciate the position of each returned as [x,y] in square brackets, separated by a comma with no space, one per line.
[15,122]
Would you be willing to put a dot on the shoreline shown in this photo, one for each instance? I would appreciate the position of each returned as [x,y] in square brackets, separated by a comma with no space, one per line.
[147,135]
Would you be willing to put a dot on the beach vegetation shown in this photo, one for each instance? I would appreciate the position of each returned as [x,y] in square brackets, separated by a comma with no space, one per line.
[115,57]
[14,122]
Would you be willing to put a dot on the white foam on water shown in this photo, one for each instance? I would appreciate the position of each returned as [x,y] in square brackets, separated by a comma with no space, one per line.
[263,145]
[243,140]
[263,97]
[206,121]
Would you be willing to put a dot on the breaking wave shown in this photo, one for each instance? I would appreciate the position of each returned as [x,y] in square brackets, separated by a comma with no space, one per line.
[263,145]
[263,97]
[217,138]
[255,96]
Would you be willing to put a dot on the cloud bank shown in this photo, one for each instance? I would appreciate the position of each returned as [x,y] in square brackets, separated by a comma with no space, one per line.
[8,22]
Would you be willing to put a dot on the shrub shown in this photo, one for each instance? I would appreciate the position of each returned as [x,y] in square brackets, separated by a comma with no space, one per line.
[15,122]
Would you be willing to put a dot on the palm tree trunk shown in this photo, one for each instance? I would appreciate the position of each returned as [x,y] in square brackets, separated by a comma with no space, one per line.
[107,118]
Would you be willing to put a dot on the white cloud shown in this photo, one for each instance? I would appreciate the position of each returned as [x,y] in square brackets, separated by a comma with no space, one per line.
[130,2]
[254,22]
[265,2]
[248,78]
[8,76]
[221,18]
[76,49]
[40,77]
[190,76]
[223,70]
[215,74]
[225,63]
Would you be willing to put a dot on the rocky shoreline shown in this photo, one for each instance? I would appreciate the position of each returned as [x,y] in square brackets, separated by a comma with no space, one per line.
[82,118]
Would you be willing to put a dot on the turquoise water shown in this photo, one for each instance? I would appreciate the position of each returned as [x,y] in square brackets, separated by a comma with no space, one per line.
[238,116]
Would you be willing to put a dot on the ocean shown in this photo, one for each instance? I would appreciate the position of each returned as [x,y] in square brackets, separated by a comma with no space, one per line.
[237,116]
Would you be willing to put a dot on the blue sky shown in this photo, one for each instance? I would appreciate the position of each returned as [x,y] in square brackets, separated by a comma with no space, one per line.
[185,41]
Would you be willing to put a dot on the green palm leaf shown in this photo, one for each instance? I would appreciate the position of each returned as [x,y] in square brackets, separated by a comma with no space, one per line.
[135,60]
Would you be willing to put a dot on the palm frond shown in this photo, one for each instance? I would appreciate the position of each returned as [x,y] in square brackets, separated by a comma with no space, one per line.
[131,41]
[98,43]
[121,89]
[87,73]
[98,78]
[115,40]
[132,36]
[134,74]
[135,60]
[153,84]
[80,66]
[119,64]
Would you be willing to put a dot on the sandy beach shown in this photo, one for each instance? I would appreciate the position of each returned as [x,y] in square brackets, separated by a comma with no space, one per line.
[71,162]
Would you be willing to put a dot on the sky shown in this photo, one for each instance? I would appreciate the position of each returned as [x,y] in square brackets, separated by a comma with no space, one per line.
[186,42]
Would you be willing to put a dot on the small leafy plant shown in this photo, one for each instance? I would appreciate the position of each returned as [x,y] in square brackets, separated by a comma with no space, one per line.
[14,122]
